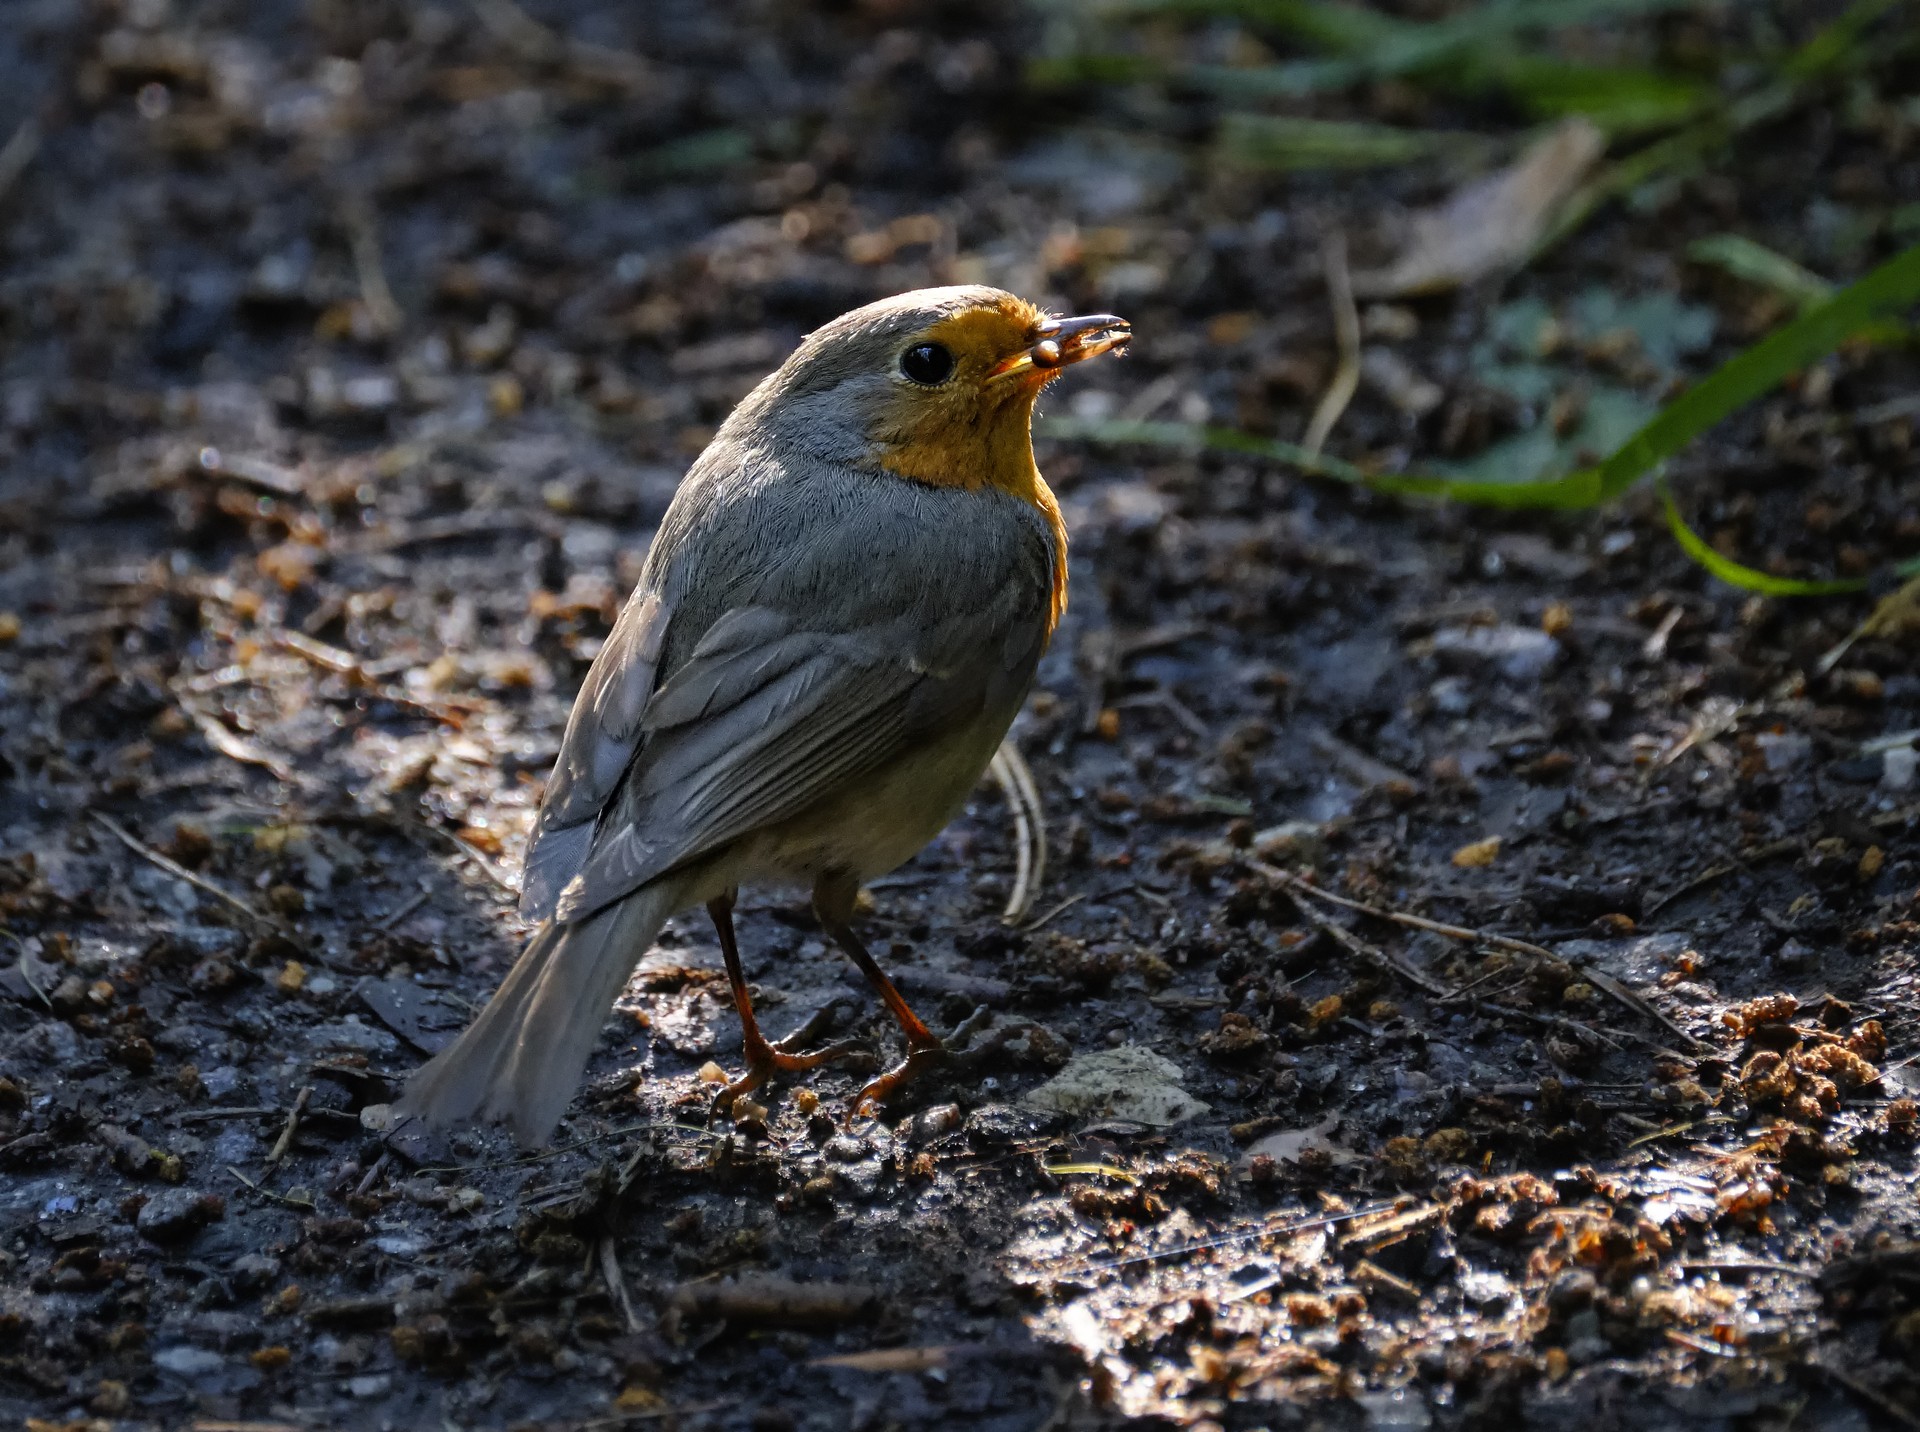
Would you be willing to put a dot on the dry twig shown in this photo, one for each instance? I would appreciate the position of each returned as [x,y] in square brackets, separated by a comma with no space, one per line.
[1372,954]
[237,1111]
[1872,1396]
[893,1359]
[1058,910]
[356,214]
[411,828]
[1750,1265]
[763,1302]
[535,43]
[372,1176]
[651,1414]
[180,872]
[1010,769]
[258,472]
[1772,850]
[1346,332]
[1602,981]
[239,748]
[1166,701]
[451,711]
[285,1141]
[454,527]
[617,1283]
[389,921]
[287,1200]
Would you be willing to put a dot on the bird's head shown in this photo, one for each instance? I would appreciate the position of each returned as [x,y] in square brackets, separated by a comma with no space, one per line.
[937,385]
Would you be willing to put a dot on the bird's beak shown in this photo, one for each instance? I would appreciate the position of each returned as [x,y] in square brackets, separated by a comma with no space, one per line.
[1062,341]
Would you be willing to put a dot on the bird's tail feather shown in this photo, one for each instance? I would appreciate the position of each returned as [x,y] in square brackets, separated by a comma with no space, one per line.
[521,1059]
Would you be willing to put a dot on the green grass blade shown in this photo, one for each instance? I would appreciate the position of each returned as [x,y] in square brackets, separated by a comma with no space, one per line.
[1838,40]
[1093,67]
[1835,49]
[1104,1170]
[1883,293]
[1347,29]
[1391,46]
[1759,265]
[696,156]
[1577,490]
[1296,79]
[1359,45]
[1749,578]
[1291,143]
[1620,99]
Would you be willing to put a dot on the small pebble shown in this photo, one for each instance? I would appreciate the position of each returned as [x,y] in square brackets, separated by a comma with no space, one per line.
[933,1123]
[188,1361]
[253,1271]
[177,1213]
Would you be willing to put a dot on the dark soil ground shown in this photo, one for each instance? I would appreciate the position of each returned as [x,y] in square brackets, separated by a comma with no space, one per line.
[352,352]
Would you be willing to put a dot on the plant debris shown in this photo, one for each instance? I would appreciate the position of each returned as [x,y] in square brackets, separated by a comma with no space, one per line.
[1427,967]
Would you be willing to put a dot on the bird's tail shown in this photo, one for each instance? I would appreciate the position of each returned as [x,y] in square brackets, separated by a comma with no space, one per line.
[521,1059]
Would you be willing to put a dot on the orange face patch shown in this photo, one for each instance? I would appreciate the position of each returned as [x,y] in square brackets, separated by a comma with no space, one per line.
[980,339]
[974,430]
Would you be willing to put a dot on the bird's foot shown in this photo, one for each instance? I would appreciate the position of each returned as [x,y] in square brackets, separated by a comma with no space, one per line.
[951,1050]
[917,1062]
[765,1059]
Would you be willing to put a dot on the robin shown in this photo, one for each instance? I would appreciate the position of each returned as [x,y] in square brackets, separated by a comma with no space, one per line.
[837,621]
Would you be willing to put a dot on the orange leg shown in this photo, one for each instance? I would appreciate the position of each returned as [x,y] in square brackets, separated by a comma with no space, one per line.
[833,903]
[763,1058]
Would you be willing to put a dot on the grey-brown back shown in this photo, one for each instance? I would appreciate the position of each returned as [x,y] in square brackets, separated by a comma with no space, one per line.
[797,622]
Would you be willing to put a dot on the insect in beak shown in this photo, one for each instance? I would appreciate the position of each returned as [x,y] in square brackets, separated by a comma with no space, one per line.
[1063,341]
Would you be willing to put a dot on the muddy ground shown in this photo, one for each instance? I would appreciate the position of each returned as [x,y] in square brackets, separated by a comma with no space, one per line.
[352,350]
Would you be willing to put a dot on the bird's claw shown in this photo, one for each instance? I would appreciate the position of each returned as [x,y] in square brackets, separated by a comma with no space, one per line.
[918,1061]
[764,1060]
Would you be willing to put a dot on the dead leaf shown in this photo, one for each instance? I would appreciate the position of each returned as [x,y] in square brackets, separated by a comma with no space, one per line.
[1477,853]
[426,1018]
[1894,618]
[1492,223]
[1286,1145]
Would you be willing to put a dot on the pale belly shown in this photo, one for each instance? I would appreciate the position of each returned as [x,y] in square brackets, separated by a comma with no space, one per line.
[882,820]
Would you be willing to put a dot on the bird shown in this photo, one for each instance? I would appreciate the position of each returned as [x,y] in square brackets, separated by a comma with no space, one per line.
[837,620]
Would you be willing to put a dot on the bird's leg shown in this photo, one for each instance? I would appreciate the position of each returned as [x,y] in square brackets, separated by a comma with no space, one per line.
[763,1058]
[833,903]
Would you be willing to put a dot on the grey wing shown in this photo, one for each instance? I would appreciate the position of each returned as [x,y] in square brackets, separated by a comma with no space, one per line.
[769,715]
[603,733]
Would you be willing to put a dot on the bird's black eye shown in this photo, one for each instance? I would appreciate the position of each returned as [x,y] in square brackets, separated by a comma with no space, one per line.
[927,363]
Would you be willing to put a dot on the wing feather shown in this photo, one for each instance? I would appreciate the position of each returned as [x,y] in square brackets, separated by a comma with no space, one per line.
[852,643]
[786,743]
[603,733]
